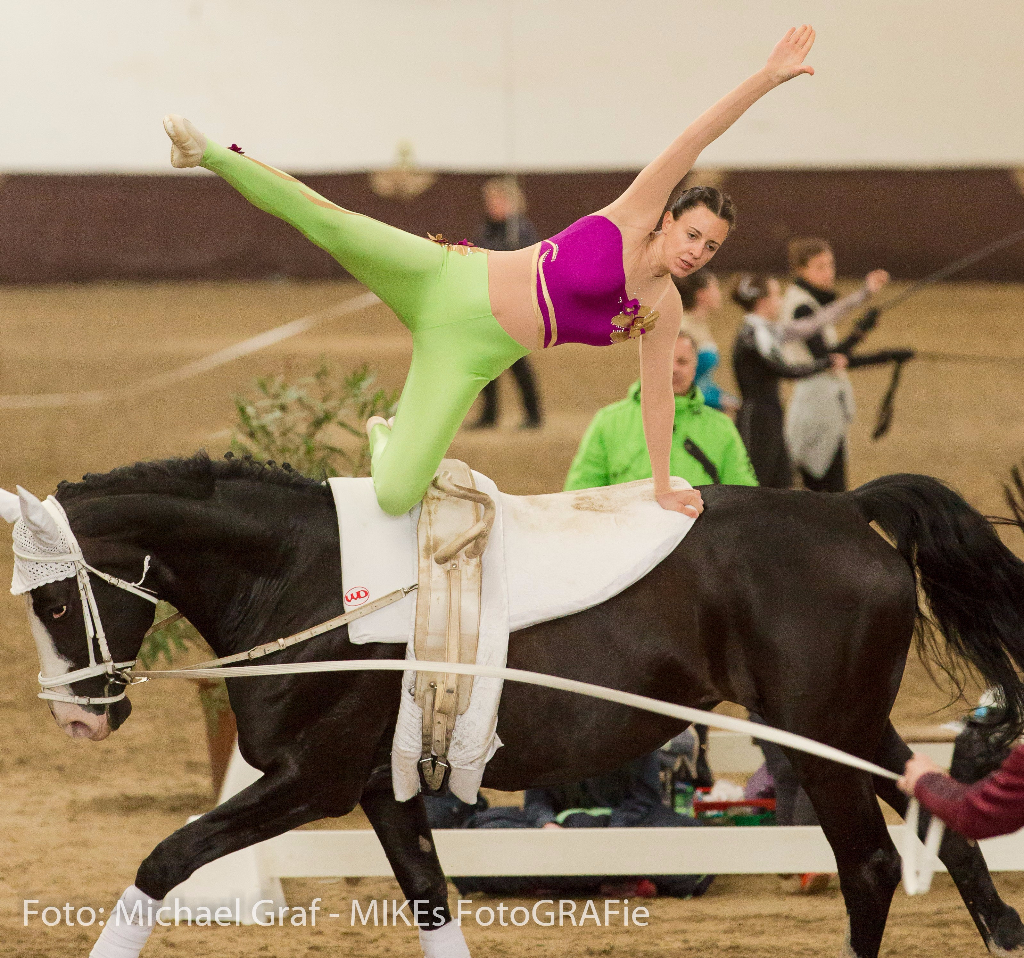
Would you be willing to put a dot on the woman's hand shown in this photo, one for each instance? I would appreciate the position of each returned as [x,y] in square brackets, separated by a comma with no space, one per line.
[917,766]
[875,280]
[787,59]
[686,501]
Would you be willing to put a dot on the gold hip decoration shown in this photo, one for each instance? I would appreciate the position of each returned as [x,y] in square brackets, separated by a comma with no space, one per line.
[463,247]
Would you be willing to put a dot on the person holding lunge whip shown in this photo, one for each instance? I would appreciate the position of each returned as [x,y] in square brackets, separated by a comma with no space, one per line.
[868,321]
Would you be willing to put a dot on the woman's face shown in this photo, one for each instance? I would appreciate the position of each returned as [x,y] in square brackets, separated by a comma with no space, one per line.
[770,305]
[498,205]
[709,299]
[820,270]
[684,365]
[692,239]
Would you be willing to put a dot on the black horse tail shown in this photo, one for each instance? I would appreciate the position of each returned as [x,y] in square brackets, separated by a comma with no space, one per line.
[972,583]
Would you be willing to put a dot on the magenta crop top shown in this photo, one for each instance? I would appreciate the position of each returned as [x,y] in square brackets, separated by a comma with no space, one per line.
[580,288]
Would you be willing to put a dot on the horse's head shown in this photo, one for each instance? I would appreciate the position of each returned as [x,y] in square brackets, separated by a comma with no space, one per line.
[87,617]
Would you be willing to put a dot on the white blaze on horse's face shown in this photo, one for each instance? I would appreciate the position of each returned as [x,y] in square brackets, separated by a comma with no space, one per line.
[74,720]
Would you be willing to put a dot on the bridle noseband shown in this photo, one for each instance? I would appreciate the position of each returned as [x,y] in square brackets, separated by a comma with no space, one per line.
[95,635]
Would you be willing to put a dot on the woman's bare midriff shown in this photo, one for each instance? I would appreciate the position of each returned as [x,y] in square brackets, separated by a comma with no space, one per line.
[510,288]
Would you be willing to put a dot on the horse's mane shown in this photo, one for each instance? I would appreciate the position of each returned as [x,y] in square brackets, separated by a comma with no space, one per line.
[193,477]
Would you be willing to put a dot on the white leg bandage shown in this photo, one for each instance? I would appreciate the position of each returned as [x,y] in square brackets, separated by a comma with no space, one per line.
[444,942]
[128,927]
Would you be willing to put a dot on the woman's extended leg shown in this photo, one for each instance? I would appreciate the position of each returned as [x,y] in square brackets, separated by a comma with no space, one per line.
[439,293]
[399,267]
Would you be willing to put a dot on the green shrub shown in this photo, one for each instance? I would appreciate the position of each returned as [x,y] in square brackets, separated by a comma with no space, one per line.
[317,426]
[170,642]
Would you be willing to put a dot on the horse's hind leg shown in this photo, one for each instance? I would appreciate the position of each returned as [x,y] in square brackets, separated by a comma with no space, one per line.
[867,860]
[999,924]
[404,833]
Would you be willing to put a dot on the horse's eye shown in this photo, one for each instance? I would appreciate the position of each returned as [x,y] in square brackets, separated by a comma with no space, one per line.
[57,615]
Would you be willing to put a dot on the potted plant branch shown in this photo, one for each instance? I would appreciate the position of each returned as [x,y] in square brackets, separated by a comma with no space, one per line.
[167,645]
[315,426]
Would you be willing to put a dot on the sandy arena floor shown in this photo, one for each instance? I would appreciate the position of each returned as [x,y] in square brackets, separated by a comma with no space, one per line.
[79,817]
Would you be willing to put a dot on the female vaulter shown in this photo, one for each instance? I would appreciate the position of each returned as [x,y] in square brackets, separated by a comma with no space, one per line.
[472,313]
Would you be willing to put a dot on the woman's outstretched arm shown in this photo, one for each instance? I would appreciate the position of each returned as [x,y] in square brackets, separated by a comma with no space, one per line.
[642,204]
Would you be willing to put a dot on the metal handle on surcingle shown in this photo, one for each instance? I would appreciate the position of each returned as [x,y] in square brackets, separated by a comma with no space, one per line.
[476,534]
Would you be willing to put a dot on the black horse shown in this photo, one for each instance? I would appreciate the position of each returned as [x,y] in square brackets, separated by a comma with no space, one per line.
[788,603]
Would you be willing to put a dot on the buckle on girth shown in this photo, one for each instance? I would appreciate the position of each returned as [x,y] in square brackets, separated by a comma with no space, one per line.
[434,774]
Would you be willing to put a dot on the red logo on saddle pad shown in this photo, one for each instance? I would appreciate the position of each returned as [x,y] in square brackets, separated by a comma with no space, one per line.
[356,596]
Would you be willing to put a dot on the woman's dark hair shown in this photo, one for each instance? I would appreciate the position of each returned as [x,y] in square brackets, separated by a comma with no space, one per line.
[689,286]
[708,196]
[749,288]
[802,249]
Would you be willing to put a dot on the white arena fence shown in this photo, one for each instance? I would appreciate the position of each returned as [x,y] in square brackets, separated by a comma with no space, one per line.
[253,875]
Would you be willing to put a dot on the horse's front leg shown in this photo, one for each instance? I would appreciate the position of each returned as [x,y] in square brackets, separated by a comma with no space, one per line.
[404,832]
[999,924]
[277,802]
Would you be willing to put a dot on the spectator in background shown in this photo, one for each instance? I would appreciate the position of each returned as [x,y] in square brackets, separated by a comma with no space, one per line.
[506,228]
[822,407]
[706,448]
[702,296]
[759,365]
[626,798]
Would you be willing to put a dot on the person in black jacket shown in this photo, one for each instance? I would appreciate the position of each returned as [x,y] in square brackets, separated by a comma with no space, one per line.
[506,227]
[628,797]
[759,365]
[822,407]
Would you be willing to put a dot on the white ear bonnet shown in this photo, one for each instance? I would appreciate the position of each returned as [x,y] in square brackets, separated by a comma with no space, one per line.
[44,545]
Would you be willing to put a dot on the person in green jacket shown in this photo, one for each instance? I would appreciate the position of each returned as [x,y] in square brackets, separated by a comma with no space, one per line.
[706,446]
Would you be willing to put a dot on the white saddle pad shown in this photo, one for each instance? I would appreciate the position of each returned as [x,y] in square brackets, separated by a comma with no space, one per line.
[564,552]
[569,551]
[547,557]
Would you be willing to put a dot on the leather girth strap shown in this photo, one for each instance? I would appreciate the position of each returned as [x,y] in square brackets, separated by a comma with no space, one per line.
[452,535]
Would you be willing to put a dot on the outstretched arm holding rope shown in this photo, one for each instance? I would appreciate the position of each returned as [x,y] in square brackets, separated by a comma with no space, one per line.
[994,806]
[805,322]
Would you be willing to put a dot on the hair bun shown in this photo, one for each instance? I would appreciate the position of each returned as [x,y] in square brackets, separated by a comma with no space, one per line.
[749,288]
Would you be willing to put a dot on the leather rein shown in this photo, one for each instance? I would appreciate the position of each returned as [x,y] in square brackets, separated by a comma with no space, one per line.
[101,662]
[257,652]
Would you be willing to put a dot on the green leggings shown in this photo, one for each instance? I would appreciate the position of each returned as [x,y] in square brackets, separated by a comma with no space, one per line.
[438,293]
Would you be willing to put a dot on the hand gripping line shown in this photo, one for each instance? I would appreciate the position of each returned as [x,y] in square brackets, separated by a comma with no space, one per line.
[918,860]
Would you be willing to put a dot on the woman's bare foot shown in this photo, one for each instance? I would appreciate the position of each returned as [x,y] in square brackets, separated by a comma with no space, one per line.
[187,143]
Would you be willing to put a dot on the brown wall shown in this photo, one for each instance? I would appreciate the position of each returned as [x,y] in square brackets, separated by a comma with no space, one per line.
[89,227]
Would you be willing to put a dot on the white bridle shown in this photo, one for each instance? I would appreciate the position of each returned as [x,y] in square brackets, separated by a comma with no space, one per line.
[100,660]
